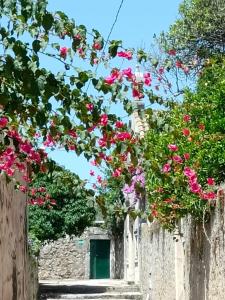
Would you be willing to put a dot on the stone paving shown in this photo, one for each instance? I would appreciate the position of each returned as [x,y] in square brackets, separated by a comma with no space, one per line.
[88,289]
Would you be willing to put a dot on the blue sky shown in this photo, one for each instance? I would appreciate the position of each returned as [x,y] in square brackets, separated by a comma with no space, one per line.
[138,21]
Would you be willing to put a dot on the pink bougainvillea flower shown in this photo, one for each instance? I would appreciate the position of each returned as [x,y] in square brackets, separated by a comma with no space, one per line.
[122,136]
[160,190]
[103,120]
[25,147]
[161,70]
[115,74]
[72,133]
[185,69]
[95,61]
[186,156]
[109,158]
[49,142]
[42,189]
[3,122]
[23,188]
[53,202]
[92,173]
[10,172]
[63,52]
[201,126]
[189,172]
[168,200]
[94,163]
[97,46]
[110,79]
[72,147]
[128,73]
[177,159]
[137,94]
[210,181]
[208,195]
[178,64]
[102,142]
[99,179]
[117,172]
[81,52]
[128,189]
[172,147]
[92,128]
[166,168]
[102,155]
[14,135]
[119,124]
[21,166]
[147,79]
[186,132]
[77,37]
[125,54]
[195,187]
[172,52]
[89,106]
[186,118]
[37,135]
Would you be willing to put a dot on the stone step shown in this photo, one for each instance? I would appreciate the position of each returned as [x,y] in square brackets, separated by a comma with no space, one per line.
[105,296]
[80,289]
[92,299]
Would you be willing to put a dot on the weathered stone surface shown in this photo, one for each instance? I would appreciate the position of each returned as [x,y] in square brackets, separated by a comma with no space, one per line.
[186,265]
[17,279]
[157,264]
[69,257]
[89,289]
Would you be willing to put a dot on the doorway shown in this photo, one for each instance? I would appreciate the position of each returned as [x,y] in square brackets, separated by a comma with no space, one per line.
[99,259]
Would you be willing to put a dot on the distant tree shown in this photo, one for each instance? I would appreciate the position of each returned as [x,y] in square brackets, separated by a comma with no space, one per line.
[111,202]
[73,210]
[199,32]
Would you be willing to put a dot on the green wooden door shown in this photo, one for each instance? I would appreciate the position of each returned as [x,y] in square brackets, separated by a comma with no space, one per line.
[99,259]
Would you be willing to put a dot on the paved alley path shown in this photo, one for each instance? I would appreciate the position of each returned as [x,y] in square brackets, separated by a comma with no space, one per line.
[88,289]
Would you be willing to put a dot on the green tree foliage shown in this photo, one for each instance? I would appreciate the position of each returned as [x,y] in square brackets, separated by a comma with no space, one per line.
[199,31]
[196,128]
[34,97]
[111,202]
[74,209]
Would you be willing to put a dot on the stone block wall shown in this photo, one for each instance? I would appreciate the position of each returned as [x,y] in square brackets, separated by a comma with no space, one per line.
[69,257]
[157,265]
[15,276]
[64,258]
[188,264]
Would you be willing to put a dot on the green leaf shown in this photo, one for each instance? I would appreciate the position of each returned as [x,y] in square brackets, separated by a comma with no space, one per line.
[47,21]
[36,45]
[113,47]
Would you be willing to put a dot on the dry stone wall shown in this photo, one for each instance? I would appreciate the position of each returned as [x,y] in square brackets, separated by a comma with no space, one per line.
[188,264]
[64,258]
[69,257]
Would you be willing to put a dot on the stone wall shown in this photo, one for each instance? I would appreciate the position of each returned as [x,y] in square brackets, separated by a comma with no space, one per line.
[64,258]
[69,257]
[117,257]
[188,264]
[15,280]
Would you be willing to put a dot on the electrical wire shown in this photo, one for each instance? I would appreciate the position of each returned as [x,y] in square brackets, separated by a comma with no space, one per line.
[108,37]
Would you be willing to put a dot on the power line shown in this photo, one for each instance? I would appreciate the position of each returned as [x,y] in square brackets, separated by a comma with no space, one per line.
[108,37]
[113,25]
